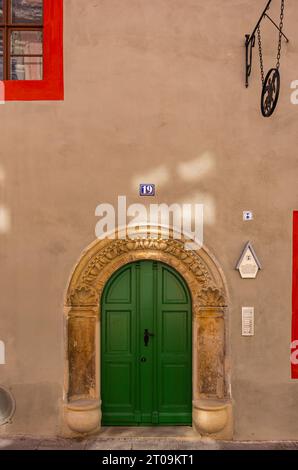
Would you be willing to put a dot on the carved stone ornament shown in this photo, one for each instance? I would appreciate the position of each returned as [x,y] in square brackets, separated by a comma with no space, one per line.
[83,295]
[212,297]
[86,288]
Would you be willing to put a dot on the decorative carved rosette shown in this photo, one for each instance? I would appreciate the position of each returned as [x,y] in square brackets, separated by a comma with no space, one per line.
[83,295]
[211,297]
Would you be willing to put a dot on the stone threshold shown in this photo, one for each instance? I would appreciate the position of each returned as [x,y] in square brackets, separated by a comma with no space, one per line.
[147,432]
[141,438]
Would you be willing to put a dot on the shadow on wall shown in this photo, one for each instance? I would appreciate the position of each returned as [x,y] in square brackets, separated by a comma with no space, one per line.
[188,172]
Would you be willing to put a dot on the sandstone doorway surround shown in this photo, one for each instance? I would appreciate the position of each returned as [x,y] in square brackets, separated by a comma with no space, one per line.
[212,405]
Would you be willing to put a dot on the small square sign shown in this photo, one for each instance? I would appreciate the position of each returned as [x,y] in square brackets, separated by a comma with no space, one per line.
[147,189]
[248,215]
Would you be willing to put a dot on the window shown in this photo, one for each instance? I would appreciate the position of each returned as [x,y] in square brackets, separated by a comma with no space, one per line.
[21,39]
[31,49]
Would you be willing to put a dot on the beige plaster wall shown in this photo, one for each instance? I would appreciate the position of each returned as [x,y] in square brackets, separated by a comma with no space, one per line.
[154,91]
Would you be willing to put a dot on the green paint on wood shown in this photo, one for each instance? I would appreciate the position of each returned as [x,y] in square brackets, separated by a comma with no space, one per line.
[146,385]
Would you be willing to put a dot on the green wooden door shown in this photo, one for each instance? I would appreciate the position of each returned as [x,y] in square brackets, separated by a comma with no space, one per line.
[146,347]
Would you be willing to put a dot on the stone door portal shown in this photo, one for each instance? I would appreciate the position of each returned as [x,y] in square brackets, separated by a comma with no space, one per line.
[199,274]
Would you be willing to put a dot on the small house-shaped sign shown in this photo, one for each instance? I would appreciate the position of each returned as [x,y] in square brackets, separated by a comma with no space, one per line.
[2,353]
[248,264]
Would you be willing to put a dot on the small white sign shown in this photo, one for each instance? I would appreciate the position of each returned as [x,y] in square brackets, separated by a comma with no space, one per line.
[248,321]
[248,264]
[248,215]
[2,353]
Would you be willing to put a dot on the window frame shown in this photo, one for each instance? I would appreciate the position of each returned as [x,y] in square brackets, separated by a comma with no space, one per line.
[8,26]
[295,290]
[51,87]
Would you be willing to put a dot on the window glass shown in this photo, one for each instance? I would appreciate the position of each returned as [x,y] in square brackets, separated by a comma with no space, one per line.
[27,11]
[1,11]
[26,42]
[26,55]
[26,68]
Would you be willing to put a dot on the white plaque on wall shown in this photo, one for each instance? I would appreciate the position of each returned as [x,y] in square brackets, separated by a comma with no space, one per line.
[248,321]
[248,264]
[2,353]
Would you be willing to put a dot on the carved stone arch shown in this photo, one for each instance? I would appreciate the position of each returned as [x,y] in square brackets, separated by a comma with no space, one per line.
[204,277]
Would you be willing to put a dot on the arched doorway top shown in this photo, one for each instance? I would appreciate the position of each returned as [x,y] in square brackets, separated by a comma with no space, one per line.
[97,263]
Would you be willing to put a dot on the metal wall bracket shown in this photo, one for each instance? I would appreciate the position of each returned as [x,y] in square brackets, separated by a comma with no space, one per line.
[250,42]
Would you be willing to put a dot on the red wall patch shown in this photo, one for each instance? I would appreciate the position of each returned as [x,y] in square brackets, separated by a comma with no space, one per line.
[295,299]
[51,87]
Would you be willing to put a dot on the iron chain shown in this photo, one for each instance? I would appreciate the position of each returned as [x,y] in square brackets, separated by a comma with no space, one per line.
[281,25]
[260,54]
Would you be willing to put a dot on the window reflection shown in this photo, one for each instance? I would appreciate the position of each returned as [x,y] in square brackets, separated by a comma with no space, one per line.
[27,11]
[26,68]
[26,52]
[26,42]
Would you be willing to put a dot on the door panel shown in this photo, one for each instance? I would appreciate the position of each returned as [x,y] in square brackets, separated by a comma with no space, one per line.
[173,290]
[118,332]
[175,346]
[146,314]
[118,373]
[174,332]
[119,349]
[120,290]
[146,384]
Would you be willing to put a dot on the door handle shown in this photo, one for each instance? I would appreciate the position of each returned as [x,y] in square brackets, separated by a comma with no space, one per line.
[147,335]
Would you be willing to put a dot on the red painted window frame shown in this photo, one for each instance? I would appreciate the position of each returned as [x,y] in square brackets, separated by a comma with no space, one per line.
[295,289]
[51,87]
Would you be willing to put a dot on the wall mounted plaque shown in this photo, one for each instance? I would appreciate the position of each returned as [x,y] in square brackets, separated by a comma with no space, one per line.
[248,264]
[248,321]
[2,353]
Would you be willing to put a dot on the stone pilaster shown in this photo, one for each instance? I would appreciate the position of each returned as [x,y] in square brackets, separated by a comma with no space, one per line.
[83,404]
[210,344]
[211,410]
[81,353]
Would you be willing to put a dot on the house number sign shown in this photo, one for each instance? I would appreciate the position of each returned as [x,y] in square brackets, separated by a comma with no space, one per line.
[147,189]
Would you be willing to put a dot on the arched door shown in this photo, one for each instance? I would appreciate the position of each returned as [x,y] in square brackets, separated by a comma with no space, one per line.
[146,347]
